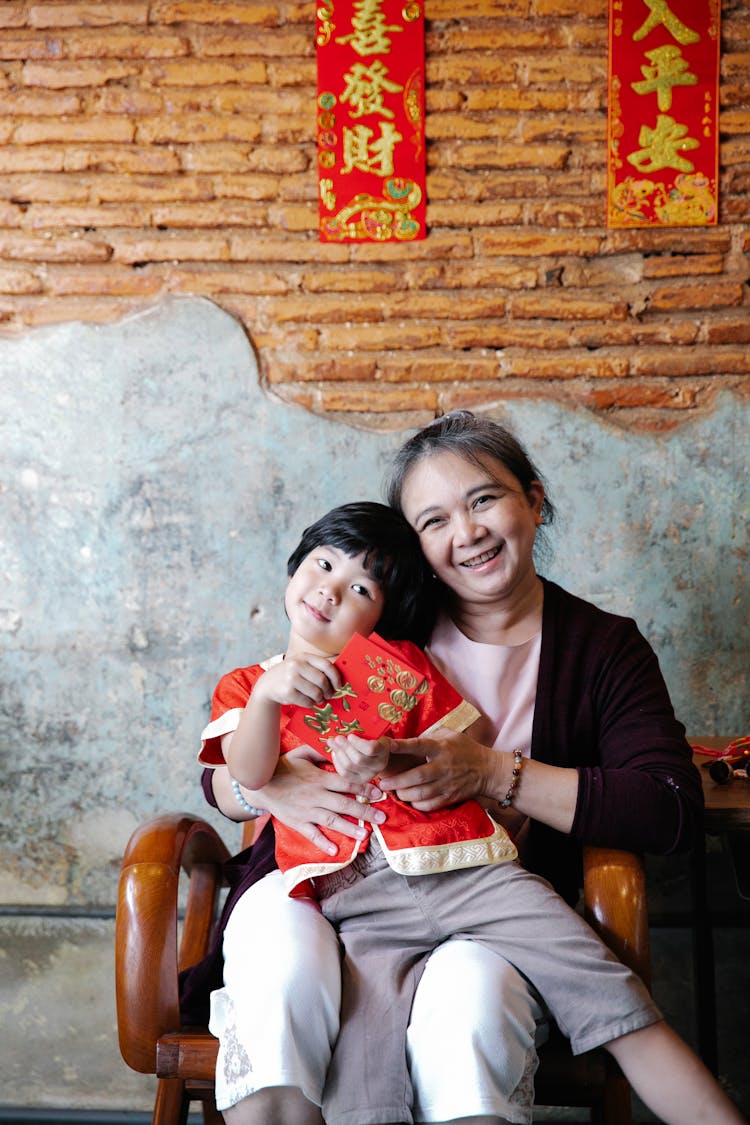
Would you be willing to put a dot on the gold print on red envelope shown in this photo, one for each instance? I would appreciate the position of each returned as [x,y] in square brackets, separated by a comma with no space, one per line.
[662,120]
[379,692]
[370,116]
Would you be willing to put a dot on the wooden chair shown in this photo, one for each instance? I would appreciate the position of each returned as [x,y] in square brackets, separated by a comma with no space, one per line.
[149,958]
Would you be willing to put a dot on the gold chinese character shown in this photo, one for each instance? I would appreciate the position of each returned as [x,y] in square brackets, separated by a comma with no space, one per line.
[345,693]
[669,69]
[349,728]
[660,13]
[662,145]
[327,194]
[365,88]
[370,34]
[323,719]
[368,155]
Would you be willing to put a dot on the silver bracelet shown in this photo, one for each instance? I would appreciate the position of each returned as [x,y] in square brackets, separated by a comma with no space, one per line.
[245,804]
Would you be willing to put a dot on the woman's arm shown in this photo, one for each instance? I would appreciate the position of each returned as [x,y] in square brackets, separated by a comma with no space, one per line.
[618,773]
[305,798]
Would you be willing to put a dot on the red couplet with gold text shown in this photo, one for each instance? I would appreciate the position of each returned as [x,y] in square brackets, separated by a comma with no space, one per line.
[370,119]
[662,121]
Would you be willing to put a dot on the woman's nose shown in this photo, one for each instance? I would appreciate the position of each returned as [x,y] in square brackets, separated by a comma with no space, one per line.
[467,529]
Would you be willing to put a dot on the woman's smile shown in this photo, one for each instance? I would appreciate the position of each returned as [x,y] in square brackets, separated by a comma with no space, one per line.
[485,557]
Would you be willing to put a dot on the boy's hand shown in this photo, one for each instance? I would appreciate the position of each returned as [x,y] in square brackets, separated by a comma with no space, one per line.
[302,681]
[357,760]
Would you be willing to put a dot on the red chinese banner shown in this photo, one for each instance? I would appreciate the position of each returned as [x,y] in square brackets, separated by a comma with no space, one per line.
[663,106]
[371,153]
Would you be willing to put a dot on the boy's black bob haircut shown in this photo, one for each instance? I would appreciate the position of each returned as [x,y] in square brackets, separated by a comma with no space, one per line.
[393,557]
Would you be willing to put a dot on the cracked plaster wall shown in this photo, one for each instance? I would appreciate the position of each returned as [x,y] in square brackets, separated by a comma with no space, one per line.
[150,492]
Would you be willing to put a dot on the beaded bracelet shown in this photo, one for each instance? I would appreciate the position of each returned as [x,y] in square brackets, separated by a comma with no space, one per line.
[515,778]
[245,804]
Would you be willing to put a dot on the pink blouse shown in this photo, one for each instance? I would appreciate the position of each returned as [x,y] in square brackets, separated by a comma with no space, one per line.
[501,682]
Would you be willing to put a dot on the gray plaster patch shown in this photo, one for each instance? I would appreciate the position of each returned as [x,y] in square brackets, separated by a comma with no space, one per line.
[56,994]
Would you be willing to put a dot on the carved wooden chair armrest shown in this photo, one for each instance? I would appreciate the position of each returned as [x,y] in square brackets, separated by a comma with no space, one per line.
[615,904]
[147,958]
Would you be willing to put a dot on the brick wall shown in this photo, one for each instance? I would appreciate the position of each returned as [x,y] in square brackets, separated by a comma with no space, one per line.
[155,147]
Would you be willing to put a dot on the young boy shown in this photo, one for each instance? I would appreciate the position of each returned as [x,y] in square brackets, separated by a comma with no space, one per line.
[358,569]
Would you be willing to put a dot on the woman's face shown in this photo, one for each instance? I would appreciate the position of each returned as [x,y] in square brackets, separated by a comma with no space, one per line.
[476,525]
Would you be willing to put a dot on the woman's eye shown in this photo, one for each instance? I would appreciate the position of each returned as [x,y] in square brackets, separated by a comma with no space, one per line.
[481,500]
[433,521]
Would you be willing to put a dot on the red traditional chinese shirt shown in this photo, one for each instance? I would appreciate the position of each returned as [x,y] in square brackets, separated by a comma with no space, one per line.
[414,843]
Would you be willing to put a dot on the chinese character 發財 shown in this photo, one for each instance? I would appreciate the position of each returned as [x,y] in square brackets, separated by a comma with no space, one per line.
[365,88]
[662,145]
[660,13]
[669,69]
[368,155]
[370,34]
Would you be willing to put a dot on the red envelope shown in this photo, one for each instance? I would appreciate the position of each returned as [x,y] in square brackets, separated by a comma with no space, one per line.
[379,691]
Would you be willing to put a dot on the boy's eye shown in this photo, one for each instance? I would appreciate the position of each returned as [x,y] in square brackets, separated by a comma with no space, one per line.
[324,564]
[363,590]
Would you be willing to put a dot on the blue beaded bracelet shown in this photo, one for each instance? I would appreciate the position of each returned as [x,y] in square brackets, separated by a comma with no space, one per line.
[245,804]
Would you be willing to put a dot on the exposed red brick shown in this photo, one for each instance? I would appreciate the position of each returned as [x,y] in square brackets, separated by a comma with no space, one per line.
[553,304]
[19,280]
[437,368]
[709,295]
[378,399]
[103,13]
[683,265]
[205,11]
[168,146]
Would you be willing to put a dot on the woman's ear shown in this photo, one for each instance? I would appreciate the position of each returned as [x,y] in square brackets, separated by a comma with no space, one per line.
[535,496]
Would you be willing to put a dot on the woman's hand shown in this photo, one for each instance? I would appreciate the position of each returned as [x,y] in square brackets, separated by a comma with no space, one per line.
[458,768]
[358,760]
[455,768]
[310,799]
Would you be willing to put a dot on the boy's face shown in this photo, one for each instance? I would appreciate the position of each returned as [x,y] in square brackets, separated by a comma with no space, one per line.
[329,598]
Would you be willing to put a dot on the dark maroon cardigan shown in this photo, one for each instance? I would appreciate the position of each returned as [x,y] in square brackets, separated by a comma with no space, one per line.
[602,707]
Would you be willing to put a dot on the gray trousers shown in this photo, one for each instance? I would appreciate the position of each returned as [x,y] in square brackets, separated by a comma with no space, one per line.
[388,924]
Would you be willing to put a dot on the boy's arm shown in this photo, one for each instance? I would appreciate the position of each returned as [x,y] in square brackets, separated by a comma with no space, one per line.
[223,796]
[252,750]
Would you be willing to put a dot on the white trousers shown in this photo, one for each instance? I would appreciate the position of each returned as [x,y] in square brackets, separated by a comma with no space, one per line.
[471,1039]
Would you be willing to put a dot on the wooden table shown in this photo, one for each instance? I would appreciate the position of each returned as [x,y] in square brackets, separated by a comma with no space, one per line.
[727,814]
